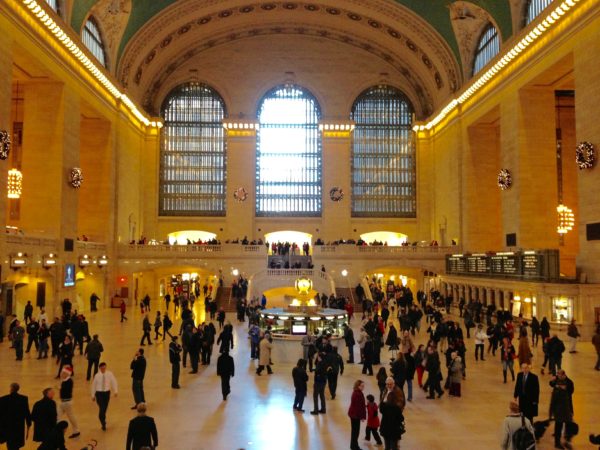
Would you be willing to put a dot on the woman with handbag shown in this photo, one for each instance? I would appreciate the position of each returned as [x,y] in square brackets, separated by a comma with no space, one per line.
[357,412]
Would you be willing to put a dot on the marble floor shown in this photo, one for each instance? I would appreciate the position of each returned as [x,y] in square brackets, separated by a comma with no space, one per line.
[258,413]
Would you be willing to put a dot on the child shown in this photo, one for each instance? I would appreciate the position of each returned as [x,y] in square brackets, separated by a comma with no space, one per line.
[372,420]
[381,377]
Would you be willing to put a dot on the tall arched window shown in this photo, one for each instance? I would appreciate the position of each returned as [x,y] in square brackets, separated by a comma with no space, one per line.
[383,155]
[288,154]
[53,4]
[192,157]
[92,39]
[487,48]
[534,8]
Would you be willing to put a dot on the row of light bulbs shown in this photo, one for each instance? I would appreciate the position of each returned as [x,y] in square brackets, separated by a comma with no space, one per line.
[38,11]
[550,20]
[256,126]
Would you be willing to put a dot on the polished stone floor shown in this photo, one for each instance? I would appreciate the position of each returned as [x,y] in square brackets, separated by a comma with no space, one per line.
[258,414]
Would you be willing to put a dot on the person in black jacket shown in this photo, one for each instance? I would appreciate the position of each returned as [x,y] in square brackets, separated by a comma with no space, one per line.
[146,328]
[138,372]
[392,420]
[65,355]
[174,359]
[14,415]
[300,384]
[56,437]
[93,351]
[226,370]
[350,342]
[368,355]
[527,391]
[44,416]
[319,385]
[142,431]
[335,366]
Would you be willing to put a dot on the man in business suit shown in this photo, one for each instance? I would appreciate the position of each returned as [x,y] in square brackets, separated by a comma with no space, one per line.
[142,431]
[527,392]
[14,414]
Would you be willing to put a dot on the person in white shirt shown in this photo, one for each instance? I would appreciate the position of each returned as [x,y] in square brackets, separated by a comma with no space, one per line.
[103,384]
[42,316]
[480,337]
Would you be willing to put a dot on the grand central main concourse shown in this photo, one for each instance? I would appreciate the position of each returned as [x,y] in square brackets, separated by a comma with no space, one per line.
[263,182]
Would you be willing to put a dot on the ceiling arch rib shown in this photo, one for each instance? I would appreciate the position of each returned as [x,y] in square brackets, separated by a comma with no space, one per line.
[429,63]
[162,81]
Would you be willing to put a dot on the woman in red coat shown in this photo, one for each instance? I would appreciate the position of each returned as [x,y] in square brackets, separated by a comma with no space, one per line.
[356,412]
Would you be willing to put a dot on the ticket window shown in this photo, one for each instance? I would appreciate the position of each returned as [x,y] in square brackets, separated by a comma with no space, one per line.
[562,309]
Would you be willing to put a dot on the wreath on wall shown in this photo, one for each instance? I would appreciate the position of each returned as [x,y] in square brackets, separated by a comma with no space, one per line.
[504,179]
[4,144]
[585,155]
[76,177]
[240,194]
[336,194]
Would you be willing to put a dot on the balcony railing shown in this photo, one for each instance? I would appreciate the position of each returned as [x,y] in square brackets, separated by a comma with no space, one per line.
[165,250]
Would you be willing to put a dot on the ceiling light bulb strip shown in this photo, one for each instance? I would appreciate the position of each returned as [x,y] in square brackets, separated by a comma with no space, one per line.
[549,21]
[45,19]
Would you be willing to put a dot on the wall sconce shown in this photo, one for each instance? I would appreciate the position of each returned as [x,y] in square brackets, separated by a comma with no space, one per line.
[84,261]
[14,185]
[48,260]
[102,261]
[566,219]
[18,260]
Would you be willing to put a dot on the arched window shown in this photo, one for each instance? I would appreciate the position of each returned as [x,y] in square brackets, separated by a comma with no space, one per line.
[192,156]
[534,8]
[383,155]
[288,154]
[487,48]
[92,39]
[54,5]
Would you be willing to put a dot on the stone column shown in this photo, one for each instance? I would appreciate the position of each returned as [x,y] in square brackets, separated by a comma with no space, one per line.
[6,68]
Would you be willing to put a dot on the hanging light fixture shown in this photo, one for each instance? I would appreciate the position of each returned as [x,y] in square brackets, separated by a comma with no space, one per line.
[566,219]
[15,183]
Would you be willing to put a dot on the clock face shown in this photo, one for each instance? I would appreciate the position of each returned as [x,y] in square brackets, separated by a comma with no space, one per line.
[504,179]
[76,177]
[240,194]
[336,194]
[585,155]
[4,144]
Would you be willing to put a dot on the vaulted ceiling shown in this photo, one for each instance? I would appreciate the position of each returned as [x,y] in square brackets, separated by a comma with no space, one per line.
[425,44]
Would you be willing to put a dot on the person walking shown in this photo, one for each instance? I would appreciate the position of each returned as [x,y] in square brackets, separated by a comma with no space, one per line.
[507,357]
[527,392]
[368,355]
[334,365]
[157,325]
[300,378]
[455,374]
[32,335]
[138,372]
[320,382]
[350,342]
[264,355]
[142,432]
[103,385]
[44,416]
[392,419]
[122,310]
[65,356]
[175,360]
[93,352]
[434,371]
[357,412]
[65,407]
[17,335]
[524,353]
[14,416]
[561,407]
[372,420]
[512,423]
[226,370]
[146,328]
[556,348]
[573,334]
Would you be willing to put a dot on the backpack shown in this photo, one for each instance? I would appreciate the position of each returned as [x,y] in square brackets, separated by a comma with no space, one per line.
[523,439]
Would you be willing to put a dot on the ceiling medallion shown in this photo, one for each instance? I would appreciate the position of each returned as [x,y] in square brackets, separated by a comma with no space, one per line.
[4,144]
[240,194]
[585,155]
[336,194]
[504,179]
[76,177]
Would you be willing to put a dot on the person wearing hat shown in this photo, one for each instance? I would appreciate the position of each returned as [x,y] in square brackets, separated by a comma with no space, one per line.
[66,399]
[175,360]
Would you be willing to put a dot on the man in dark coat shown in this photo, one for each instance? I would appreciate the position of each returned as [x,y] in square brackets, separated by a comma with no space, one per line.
[14,414]
[44,415]
[142,431]
[527,391]
[175,360]
[226,370]
[138,372]
[350,342]
[93,351]
[561,405]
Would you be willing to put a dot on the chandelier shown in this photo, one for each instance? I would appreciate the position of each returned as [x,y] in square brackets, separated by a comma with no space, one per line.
[566,219]
[15,183]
